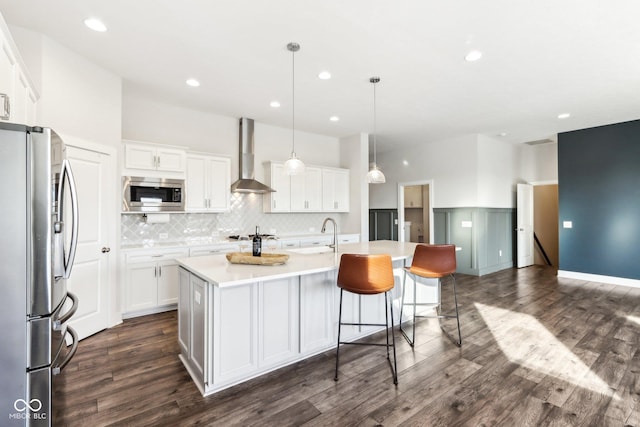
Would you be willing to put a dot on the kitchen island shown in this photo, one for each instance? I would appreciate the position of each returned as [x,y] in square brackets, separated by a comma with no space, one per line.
[237,321]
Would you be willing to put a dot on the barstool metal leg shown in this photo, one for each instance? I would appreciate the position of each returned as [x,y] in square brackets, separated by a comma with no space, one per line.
[455,300]
[404,288]
[457,342]
[393,339]
[335,378]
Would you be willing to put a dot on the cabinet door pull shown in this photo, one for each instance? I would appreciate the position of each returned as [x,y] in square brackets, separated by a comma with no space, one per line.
[7,107]
[160,271]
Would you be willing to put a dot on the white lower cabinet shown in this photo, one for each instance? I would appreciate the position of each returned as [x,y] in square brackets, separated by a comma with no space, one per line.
[151,281]
[193,325]
[316,299]
[350,314]
[197,323]
[349,238]
[278,321]
[215,249]
[235,339]
[230,334]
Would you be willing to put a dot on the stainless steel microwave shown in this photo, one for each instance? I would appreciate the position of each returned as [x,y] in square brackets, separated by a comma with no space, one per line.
[143,194]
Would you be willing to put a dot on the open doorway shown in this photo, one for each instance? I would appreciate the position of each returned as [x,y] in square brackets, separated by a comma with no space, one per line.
[415,213]
[537,224]
[545,223]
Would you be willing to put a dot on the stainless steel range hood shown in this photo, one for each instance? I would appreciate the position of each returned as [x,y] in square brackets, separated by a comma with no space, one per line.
[247,182]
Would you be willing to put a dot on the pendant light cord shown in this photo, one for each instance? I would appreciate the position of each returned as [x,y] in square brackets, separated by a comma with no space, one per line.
[293,102]
[375,131]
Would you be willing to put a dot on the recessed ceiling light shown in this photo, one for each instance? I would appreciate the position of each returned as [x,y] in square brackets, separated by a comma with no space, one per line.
[502,134]
[474,55]
[564,116]
[334,118]
[193,82]
[324,75]
[95,25]
[405,162]
[274,104]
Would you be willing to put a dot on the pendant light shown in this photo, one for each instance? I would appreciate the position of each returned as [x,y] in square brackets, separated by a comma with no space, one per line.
[294,165]
[375,175]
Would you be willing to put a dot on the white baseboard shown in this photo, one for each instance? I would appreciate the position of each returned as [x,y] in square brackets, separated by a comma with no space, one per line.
[633,283]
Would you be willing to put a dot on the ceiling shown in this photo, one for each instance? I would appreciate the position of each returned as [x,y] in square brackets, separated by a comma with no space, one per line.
[540,58]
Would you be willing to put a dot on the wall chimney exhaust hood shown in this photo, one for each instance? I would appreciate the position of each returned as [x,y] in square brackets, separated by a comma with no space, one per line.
[247,182]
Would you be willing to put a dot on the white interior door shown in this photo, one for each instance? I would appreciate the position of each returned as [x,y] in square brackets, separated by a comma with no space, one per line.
[90,278]
[525,225]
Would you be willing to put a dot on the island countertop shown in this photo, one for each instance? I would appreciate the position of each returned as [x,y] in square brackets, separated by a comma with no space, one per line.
[216,270]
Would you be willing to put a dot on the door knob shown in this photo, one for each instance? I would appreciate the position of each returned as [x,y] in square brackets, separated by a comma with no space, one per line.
[105,250]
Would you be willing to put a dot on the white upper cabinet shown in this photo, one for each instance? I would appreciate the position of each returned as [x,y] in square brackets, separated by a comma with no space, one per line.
[280,200]
[335,190]
[208,183]
[319,189]
[150,157]
[306,190]
[17,96]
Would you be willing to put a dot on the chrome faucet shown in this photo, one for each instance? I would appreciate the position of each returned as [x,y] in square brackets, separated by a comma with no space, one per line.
[334,245]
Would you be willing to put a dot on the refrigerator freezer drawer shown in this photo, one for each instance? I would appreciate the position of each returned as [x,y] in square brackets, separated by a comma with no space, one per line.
[46,335]
[44,342]
[37,405]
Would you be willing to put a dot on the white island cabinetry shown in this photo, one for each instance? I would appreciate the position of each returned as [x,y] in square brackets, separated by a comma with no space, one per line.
[237,322]
[316,304]
[246,329]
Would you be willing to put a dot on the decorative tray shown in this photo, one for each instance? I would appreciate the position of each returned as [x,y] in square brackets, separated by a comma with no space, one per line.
[248,258]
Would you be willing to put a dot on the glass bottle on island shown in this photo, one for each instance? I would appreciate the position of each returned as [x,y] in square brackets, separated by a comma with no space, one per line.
[257,243]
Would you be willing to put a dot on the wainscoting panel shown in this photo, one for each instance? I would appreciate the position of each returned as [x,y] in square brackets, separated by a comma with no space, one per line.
[486,237]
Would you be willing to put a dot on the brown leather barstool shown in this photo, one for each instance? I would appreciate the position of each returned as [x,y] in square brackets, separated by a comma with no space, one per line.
[367,275]
[435,262]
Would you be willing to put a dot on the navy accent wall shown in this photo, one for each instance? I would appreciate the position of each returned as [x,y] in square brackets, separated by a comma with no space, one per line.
[599,191]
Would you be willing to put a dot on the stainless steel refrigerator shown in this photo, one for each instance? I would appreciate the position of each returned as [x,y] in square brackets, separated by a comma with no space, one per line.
[39,236]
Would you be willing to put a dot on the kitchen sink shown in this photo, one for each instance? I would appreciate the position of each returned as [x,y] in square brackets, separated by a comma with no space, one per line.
[311,250]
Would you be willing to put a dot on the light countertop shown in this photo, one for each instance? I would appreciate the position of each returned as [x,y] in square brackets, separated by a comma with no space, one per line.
[216,270]
[211,241]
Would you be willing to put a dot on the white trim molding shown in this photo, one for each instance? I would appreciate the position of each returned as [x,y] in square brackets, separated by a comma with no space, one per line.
[633,283]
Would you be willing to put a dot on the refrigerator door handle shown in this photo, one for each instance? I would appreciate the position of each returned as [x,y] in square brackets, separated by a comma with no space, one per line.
[55,370]
[68,174]
[57,323]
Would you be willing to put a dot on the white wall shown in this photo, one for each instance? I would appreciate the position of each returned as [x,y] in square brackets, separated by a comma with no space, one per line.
[451,164]
[77,97]
[144,119]
[539,163]
[498,166]
[354,152]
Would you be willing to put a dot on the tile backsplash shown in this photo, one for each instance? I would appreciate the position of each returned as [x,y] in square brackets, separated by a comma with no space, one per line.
[245,214]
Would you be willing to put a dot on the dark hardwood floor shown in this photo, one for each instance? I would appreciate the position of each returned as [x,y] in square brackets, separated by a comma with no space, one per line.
[537,350]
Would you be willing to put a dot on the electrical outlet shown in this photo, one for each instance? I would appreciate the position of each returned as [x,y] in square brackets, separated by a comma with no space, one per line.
[163,235]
